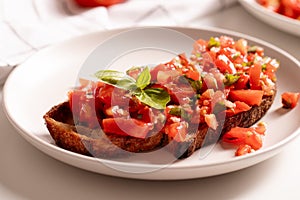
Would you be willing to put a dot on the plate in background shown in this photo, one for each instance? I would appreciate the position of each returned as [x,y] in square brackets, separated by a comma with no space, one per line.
[274,19]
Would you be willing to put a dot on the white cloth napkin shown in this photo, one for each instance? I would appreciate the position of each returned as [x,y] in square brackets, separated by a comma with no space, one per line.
[29,25]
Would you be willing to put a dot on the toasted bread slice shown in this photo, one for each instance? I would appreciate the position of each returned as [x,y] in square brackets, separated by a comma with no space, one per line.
[79,139]
[82,140]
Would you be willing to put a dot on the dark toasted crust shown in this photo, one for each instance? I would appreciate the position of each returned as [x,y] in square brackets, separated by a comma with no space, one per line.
[79,139]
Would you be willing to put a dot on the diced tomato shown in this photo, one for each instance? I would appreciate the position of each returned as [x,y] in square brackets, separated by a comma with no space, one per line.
[290,99]
[126,127]
[94,3]
[111,96]
[241,46]
[226,41]
[243,149]
[193,74]
[200,45]
[271,68]
[241,136]
[159,68]
[242,83]
[177,131]
[104,94]
[250,97]
[181,64]
[145,114]
[239,107]
[270,4]
[83,108]
[291,8]
[179,93]
[224,64]
[254,73]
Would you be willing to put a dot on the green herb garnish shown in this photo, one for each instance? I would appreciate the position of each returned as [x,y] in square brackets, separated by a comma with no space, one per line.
[231,79]
[213,42]
[154,97]
[179,112]
[252,49]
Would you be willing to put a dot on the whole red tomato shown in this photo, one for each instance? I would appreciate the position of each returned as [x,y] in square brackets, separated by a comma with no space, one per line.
[94,3]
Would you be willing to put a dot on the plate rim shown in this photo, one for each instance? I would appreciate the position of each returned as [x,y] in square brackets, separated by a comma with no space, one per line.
[33,139]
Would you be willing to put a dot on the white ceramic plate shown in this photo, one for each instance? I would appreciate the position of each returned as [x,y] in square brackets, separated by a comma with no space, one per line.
[43,81]
[276,20]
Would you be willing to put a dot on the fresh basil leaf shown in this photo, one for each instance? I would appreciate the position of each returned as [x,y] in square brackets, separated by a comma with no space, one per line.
[231,79]
[179,112]
[154,97]
[143,79]
[117,79]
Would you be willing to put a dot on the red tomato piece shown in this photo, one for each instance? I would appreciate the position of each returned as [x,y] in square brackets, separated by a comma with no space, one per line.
[241,136]
[250,97]
[200,45]
[83,109]
[243,149]
[241,46]
[254,73]
[126,127]
[226,41]
[179,93]
[273,5]
[225,65]
[94,3]
[177,131]
[240,107]
[291,8]
[242,83]
[290,99]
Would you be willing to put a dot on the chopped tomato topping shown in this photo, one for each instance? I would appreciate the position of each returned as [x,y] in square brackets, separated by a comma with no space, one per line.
[241,136]
[242,82]
[290,99]
[239,107]
[224,64]
[254,73]
[224,77]
[250,97]
[241,45]
[126,127]
[177,131]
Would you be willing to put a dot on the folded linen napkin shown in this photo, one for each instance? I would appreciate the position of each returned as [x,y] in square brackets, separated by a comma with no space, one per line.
[29,25]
